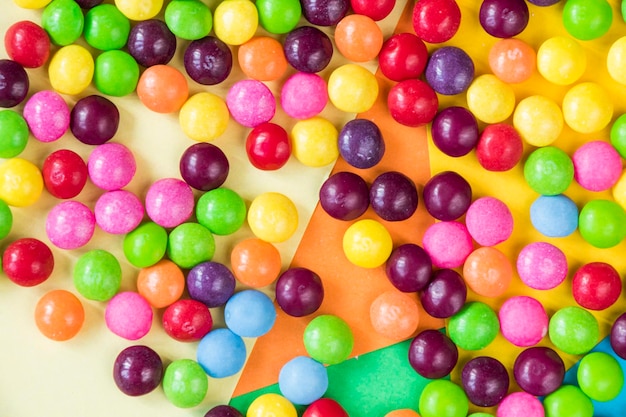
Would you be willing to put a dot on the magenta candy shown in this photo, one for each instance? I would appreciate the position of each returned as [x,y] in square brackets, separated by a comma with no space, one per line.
[169,202]
[448,244]
[597,165]
[520,404]
[70,225]
[118,212]
[489,221]
[251,103]
[454,131]
[541,265]
[523,320]
[128,315]
[111,166]
[47,115]
[304,95]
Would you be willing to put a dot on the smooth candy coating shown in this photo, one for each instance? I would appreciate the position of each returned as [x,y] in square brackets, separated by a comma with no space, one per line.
[279,16]
[185,383]
[6,219]
[485,381]
[268,146]
[204,166]
[221,353]
[597,165]
[436,21]
[520,402]
[303,95]
[600,376]
[111,166]
[489,221]
[616,59]
[139,11]
[64,21]
[512,60]
[432,354]
[618,336]
[273,217]
[554,216]
[539,120]
[561,60]
[47,115]
[376,9]
[299,292]
[523,320]
[71,69]
[187,320]
[490,99]
[367,243]
[549,170]
[59,315]
[137,370]
[328,339]
[106,27]
[15,83]
[596,285]
[169,202]
[189,19]
[235,21]
[447,195]
[618,134]
[344,196]
[412,102]
[255,262]
[208,61]
[409,268]
[32,4]
[448,243]
[145,245]
[573,330]
[94,120]
[587,20]
[308,49]
[393,196]
[13,134]
[314,141]
[27,43]
[97,275]
[602,223]
[445,294]
[221,210]
[161,284]
[443,398]
[211,283]
[325,12]
[116,73]
[151,42]
[499,147]
[568,400]
[250,102]
[488,272]
[21,182]
[262,58]
[474,327]
[503,18]
[70,225]
[162,89]
[325,407]
[587,107]
[541,265]
[27,262]
[189,244]
[128,315]
[358,38]
[249,313]
[394,315]
[118,212]
[450,70]
[303,380]
[454,131]
[403,56]
[539,370]
[204,116]
[352,88]
[361,143]
[271,403]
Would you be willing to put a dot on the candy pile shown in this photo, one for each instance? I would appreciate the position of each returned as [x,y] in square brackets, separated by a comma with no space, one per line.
[458,272]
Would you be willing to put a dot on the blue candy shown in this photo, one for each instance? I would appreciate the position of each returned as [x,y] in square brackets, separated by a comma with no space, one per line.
[250,313]
[303,380]
[221,353]
[554,216]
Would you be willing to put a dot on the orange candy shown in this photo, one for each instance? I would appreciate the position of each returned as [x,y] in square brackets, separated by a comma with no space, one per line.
[358,38]
[395,315]
[255,262]
[162,89]
[262,58]
[161,284]
[488,272]
[403,412]
[59,315]
[512,60]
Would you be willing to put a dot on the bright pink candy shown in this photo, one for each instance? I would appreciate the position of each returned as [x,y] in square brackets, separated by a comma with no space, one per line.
[597,165]
[169,202]
[523,321]
[448,244]
[541,265]
[128,315]
[520,404]
[47,115]
[251,103]
[489,221]
[111,166]
[118,211]
[304,95]
[70,225]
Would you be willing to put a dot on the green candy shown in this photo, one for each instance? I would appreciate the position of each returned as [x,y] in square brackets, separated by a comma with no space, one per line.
[474,327]
[116,73]
[185,383]
[602,223]
[146,245]
[574,330]
[549,170]
[64,21]
[618,132]
[13,134]
[328,339]
[279,16]
[600,376]
[106,27]
[443,398]
[190,244]
[587,19]
[189,19]
[568,401]
[221,210]
[6,220]
[97,275]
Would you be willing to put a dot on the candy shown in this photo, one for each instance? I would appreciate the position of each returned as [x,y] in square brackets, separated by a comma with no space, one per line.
[143,10]
[570,401]
[223,411]
[94,120]
[538,120]
[587,20]
[169,202]
[503,18]
[70,225]
[250,102]
[299,291]
[436,21]
[541,265]
[409,268]
[276,404]
[262,58]
[445,294]
[394,315]
[145,245]
[189,244]
[314,141]
[488,271]
[97,275]
[618,135]
[443,398]
[111,166]
[454,131]
[204,116]
[235,21]
[447,195]
[601,223]
[128,315]
[304,95]
[187,320]
[432,354]
[615,60]
[600,376]
[490,99]
[106,27]
[268,146]
[6,219]
[344,196]
[573,330]
[518,403]
[116,73]
[561,60]
[328,339]
[59,315]
[249,313]
[450,70]
[367,243]
[211,283]
[587,108]
[15,84]
[162,89]
[255,262]
[32,4]
[361,143]
[189,19]
[448,243]
[13,134]
[279,16]
[161,284]
[549,170]
[539,370]
[596,286]
[597,165]
[376,9]
[352,88]
[358,38]
[204,166]
[137,370]
[221,353]
[21,182]
[118,212]
[499,147]
[325,407]
[485,381]
[403,412]
[412,102]
[71,69]
[221,210]
[64,21]
[184,383]
[47,115]
[403,56]
[273,217]
[325,12]
[27,262]
[308,49]
[303,380]
[151,42]
[474,327]
[208,61]
[512,60]
[489,221]
[393,196]
[554,216]
[523,320]
[27,43]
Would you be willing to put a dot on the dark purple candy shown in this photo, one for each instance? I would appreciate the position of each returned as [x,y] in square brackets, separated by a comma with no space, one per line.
[539,370]
[455,131]
[432,354]
[299,292]
[504,18]
[94,120]
[204,166]
[445,294]
[409,268]
[485,381]
[308,49]
[447,196]
[208,61]
[393,196]
[211,283]
[543,3]
[14,83]
[618,336]
[361,143]
[324,12]
[137,370]
[88,4]
[223,411]
[344,196]
[151,42]
[449,71]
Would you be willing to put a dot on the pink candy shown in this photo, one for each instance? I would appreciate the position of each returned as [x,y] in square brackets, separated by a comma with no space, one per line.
[169,202]
[70,225]
[597,165]
[448,244]
[128,315]
[523,321]
[489,221]
[304,95]
[47,115]
[111,166]
[520,404]
[251,103]
[118,211]
[541,265]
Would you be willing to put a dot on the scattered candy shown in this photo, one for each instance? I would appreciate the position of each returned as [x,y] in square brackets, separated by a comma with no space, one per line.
[541,265]
[13,134]
[314,141]
[403,56]
[64,21]
[361,143]
[587,20]
[21,182]
[162,89]
[137,370]
[235,21]
[449,70]
[615,59]
[276,404]
[432,354]
[344,196]
[490,99]
[367,243]
[145,245]
[116,73]
[436,21]
[59,315]
[106,27]
[520,402]
[474,327]
[27,262]
[617,337]
[538,120]
[554,216]
[161,284]
[211,283]
[393,196]
[187,320]
[255,262]
[151,42]
[208,61]
[97,275]
[561,60]
[328,339]
[204,116]
[185,383]
[499,147]
[447,195]
[221,210]
[409,268]
[602,223]
[325,407]
[249,313]
[15,84]
[573,330]
[358,38]
[189,244]
[445,294]
[454,131]
[118,212]
[303,380]
[443,398]
[70,225]
[169,202]
[523,320]
[47,115]
[448,243]
[549,170]
[587,108]
[503,18]
[6,219]
[250,102]
[71,69]
[308,49]
[299,292]
[412,102]
[111,166]
[324,13]
[303,95]
[600,376]
[539,370]
[568,400]
[268,146]
[221,353]
[489,221]
[189,20]
[27,43]
[485,381]
[279,17]
[128,315]
[596,286]
[597,165]
[262,58]
[395,315]
[204,166]
[273,217]
[512,60]
[352,88]
[94,120]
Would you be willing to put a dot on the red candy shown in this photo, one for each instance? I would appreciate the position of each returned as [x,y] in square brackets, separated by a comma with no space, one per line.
[27,44]
[28,262]
[64,173]
[436,21]
[499,147]
[325,407]
[403,56]
[268,146]
[412,102]
[376,9]
[187,320]
[596,286]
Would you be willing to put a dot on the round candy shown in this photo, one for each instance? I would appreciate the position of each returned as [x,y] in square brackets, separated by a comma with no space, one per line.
[59,315]
[162,89]
[597,165]
[221,210]
[344,196]
[596,285]
[204,116]
[145,245]
[443,398]
[6,219]
[432,354]
[308,49]
[94,120]
[221,353]
[255,262]
[450,70]
[376,9]
[523,320]
[504,18]
[27,43]
[325,407]
[539,370]
[447,195]
[325,12]
[279,16]
[128,315]
[409,268]
[393,196]
[499,147]
[518,402]
[97,275]
[314,141]
[189,244]
[118,212]
[618,135]
[185,383]
[262,58]
[541,265]
[474,327]
[587,108]
[21,182]
[394,315]
[489,221]
[488,272]
[402,412]
[328,339]
[70,225]
[272,403]
[15,84]
[617,337]
[303,95]
[151,42]
[403,56]
[299,292]
[249,313]
[137,370]
[554,216]
[235,21]
[139,10]
[189,20]
[361,143]
[485,381]
[250,102]
[13,134]
[538,120]
[223,411]
[454,131]
[358,38]
[27,262]
[47,115]
[106,27]
[367,243]
[303,380]
[412,102]
[512,60]
[204,166]
[445,294]
[187,320]
[208,61]
[32,4]
[161,284]
[211,283]
[64,21]
[602,223]
[600,376]
[268,146]
[116,73]
[273,217]
[549,170]
[436,21]
[448,243]
[490,99]
[573,330]
[561,60]
[111,166]
[570,401]
[615,60]
[352,88]
[169,202]
[587,20]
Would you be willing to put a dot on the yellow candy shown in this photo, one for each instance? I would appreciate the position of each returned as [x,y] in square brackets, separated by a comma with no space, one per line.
[32,4]
[561,60]
[204,117]
[235,21]
[139,9]
[273,217]
[21,182]
[271,404]
[490,99]
[587,108]
[619,191]
[314,142]
[538,120]
[616,60]
[367,243]
[71,69]
[352,88]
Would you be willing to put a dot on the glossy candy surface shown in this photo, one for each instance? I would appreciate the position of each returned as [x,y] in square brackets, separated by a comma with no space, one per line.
[13,134]
[189,20]
[116,73]
[403,56]
[352,88]
[394,315]
[27,262]
[600,376]
[151,42]
[211,283]
[490,99]
[189,244]
[255,262]
[128,315]
[367,243]
[474,327]
[445,294]
[436,21]
[409,268]
[450,70]
[185,383]
[21,182]
[27,43]
[568,400]
[161,284]
[587,20]
[561,60]
[299,291]
[454,131]
[393,196]
[447,195]
[59,315]
[539,370]
[618,336]
[271,403]
[187,320]
[573,330]
[249,313]
[106,27]
[71,69]
[485,381]
[204,166]
[499,147]
[273,217]
[523,320]
[204,116]
[344,195]
[208,61]
[279,16]
[602,223]
[412,102]
[221,210]
[512,60]
[94,120]
[328,339]
[137,370]
[308,49]
[314,141]
[162,89]
[358,38]
[324,12]
[504,18]
[236,21]
[539,120]
[145,245]
[596,285]
[268,146]
[549,170]
[64,21]
[432,354]
[15,83]
[443,398]
[262,58]
[303,380]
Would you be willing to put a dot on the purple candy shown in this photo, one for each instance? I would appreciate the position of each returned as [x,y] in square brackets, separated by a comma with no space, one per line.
[151,42]
[211,283]
[485,380]
[169,202]
[447,196]
[344,196]
[618,336]
[409,268]
[223,411]
[504,18]
[324,12]
[204,166]
[539,370]
[432,354]
[251,103]
[14,83]
[111,166]
[308,49]
[208,61]
[299,292]
[88,4]
[137,370]
[361,143]
[445,294]
[543,3]
[393,196]
[450,70]
[47,115]
[454,131]
[94,120]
